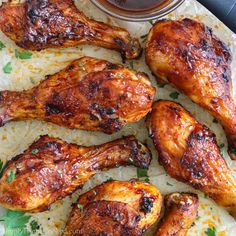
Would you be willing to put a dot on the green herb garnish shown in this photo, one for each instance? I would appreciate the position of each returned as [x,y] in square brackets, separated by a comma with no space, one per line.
[109,179]
[174,95]
[35,151]
[222,145]
[34,226]
[169,184]
[147,180]
[222,149]
[11,176]
[132,64]
[151,22]
[161,85]
[80,206]
[142,173]
[211,231]
[7,69]
[59,172]
[15,223]
[23,55]
[1,165]
[144,37]
[2,45]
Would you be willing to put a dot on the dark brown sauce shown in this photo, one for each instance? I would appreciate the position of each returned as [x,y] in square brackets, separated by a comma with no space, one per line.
[136,5]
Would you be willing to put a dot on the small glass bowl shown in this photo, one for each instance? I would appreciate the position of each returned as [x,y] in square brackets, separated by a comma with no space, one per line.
[137,16]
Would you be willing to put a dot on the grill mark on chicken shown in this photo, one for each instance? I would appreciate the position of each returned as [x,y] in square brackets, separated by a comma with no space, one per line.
[188,55]
[112,208]
[85,95]
[180,213]
[41,24]
[189,153]
[51,169]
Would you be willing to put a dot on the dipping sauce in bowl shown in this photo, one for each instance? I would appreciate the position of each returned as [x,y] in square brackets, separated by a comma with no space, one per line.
[137,10]
[134,5]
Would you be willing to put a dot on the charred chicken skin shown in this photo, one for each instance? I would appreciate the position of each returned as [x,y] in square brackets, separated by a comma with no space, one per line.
[89,94]
[180,213]
[40,24]
[188,55]
[189,153]
[115,208]
[52,169]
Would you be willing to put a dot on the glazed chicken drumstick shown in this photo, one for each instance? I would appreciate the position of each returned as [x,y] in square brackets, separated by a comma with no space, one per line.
[115,208]
[89,94]
[189,153]
[188,55]
[37,25]
[52,169]
[180,213]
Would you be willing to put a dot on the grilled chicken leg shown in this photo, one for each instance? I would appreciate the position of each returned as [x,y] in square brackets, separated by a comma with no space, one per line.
[37,25]
[89,94]
[115,208]
[180,213]
[189,56]
[52,169]
[189,153]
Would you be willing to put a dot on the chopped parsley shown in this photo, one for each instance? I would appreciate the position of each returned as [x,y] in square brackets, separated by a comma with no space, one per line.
[59,172]
[23,55]
[109,179]
[1,166]
[80,206]
[15,224]
[35,151]
[222,149]
[11,176]
[34,226]
[161,85]
[151,22]
[211,231]
[147,180]
[2,45]
[169,184]
[141,173]
[132,64]
[144,37]
[7,69]
[174,95]
[222,145]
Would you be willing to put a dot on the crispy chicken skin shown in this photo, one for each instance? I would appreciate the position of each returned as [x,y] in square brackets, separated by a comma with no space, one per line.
[180,213]
[40,24]
[89,94]
[189,152]
[52,169]
[115,208]
[188,55]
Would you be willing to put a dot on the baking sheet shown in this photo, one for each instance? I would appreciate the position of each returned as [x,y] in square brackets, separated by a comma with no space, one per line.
[15,137]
